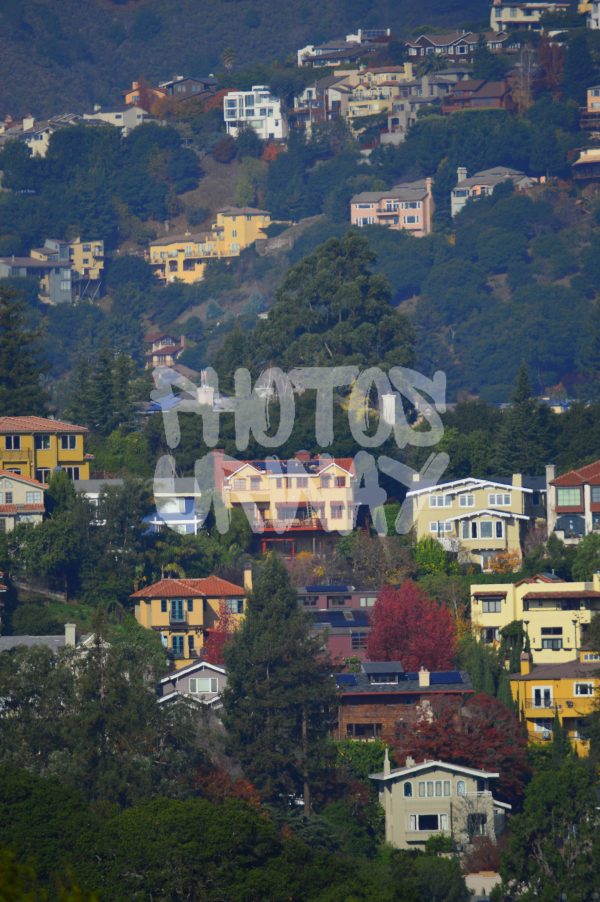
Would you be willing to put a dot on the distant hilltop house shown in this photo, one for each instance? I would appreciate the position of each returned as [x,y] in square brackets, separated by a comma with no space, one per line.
[200,682]
[341,614]
[180,87]
[68,639]
[478,94]
[412,97]
[555,614]
[405,207]
[124,117]
[342,51]
[184,257]
[21,500]
[36,135]
[574,502]
[506,15]
[459,44]
[65,269]
[436,797]
[586,167]
[163,349]
[483,184]
[590,114]
[257,109]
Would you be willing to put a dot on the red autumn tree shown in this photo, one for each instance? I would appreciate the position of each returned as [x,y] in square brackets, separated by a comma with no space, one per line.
[480,732]
[219,636]
[408,626]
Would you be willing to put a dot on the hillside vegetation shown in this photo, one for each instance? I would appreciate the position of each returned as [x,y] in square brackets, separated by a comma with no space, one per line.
[70,55]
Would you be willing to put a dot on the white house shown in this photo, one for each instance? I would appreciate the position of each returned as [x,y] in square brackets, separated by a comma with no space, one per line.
[483,184]
[257,109]
[124,117]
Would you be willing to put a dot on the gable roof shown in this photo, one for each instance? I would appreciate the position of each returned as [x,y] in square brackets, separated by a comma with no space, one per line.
[580,476]
[406,191]
[427,765]
[185,671]
[7,474]
[32,425]
[209,586]
[467,481]
[566,670]
[508,515]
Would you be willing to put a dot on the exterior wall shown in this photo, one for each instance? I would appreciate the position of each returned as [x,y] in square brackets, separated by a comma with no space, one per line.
[37,463]
[185,684]
[332,600]
[441,522]
[396,214]
[571,708]
[454,807]
[195,616]
[20,502]
[39,142]
[126,120]
[523,16]
[236,230]
[537,614]
[183,260]
[273,496]
[87,258]
[381,710]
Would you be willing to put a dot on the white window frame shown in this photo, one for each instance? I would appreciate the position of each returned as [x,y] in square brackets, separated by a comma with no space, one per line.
[440,501]
[466,500]
[588,685]
[499,499]
[440,526]
[546,693]
[211,684]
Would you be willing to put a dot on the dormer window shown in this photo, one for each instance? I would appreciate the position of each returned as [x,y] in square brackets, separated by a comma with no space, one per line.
[383,678]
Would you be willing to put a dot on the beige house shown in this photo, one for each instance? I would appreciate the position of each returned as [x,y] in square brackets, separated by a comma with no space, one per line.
[479,518]
[21,500]
[554,613]
[423,800]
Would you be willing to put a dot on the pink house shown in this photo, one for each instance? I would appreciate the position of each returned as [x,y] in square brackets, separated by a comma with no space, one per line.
[407,207]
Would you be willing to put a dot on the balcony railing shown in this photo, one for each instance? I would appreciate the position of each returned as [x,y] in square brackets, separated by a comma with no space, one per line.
[308,523]
[16,455]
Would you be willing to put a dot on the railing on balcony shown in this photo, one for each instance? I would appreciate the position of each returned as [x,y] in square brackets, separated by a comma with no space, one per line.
[16,455]
[308,523]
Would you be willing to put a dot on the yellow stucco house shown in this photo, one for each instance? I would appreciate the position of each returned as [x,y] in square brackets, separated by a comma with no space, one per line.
[570,689]
[87,258]
[183,258]
[554,613]
[184,611]
[21,500]
[479,518]
[35,446]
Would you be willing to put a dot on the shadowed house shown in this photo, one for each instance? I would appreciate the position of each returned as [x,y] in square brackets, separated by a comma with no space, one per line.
[382,696]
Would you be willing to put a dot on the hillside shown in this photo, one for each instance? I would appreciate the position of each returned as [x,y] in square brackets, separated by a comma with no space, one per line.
[69,55]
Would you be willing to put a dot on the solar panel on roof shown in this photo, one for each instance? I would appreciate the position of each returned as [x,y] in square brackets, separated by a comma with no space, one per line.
[326,588]
[346,679]
[445,677]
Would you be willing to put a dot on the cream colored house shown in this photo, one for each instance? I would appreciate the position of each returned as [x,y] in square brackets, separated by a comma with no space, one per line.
[554,613]
[21,500]
[423,800]
[479,518]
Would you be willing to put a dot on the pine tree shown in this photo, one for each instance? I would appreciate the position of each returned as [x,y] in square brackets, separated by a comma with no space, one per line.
[522,438]
[561,747]
[279,697]
[21,393]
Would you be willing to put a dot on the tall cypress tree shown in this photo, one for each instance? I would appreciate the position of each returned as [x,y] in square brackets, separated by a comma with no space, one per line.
[21,392]
[522,438]
[280,698]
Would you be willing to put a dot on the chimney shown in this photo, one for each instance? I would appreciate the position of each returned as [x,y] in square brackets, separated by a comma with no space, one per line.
[70,635]
[410,761]
[428,185]
[550,473]
[525,663]
[423,678]
[517,480]
[97,107]
[461,173]
[28,122]
[248,576]
[386,763]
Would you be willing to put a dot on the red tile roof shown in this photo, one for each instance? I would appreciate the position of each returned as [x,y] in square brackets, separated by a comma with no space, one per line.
[31,425]
[209,586]
[587,474]
[563,593]
[9,475]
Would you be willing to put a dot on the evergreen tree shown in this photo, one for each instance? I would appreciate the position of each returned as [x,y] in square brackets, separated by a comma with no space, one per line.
[579,68]
[21,393]
[522,439]
[78,408]
[279,698]
[561,749]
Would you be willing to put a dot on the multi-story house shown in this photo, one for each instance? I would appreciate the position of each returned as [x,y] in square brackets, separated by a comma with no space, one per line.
[554,613]
[79,264]
[163,349]
[53,276]
[257,109]
[479,518]
[424,800]
[36,135]
[483,184]
[373,702]
[200,682]
[507,15]
[183,258]
[35,446]
[341,613]
[590,114]
[126,117]
[183,611]
[478,94]
[586,168]
[146,92]
[570,690]
[21,500]
[182,87]
[412,97]
[87,259]
[406,207]
[460,44]
[340,51]
[574,502]
[325,99]
[293,504]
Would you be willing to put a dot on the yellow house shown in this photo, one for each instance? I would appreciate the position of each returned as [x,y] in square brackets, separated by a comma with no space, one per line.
[554,613]
[570,689]
[479,518]
[182,257]
[87,258]
[184,611]
[35,446]
[237,228]
[21,500]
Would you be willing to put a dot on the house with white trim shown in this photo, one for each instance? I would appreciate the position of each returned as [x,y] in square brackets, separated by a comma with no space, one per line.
[424,800]
[201,682]
[479,519]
